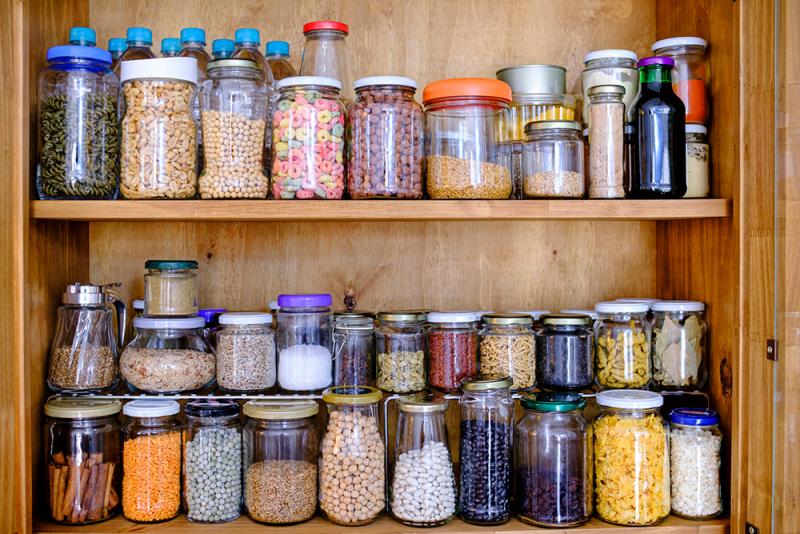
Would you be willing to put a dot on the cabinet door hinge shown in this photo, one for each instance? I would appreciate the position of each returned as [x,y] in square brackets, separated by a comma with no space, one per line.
[750,529]
[772,350]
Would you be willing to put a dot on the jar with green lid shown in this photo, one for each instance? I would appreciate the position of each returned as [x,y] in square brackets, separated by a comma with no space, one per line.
[352,478]
[507,348]
[606,141]
[353,349]
[281,444]
[400,348]
[552,160]
[83,447]
[565,352]
[170,288]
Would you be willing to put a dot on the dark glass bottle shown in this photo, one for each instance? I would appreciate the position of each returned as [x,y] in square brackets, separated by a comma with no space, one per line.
[659,119]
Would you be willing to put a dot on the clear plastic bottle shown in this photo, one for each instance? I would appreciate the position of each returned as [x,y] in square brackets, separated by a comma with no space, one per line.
[222,48]
[325,54]
[116,47]
[170,47]
[81,36]
[278,59]
[248,46]
[139,41]
[193,42]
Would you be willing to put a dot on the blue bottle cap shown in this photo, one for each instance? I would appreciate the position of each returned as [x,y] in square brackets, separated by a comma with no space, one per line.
[278,48]
[247,36]
[143,35]
[117,44]
[78,52]
[694,417]
[170,45]
[222,48]
[82,36]
[193,35]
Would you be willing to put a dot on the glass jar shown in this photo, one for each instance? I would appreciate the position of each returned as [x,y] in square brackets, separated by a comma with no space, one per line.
[631,458]
[606,142]
[325,54]
[168,356]
[234,110]
[281,444]
[82,449]
[159,133]
[353,457]
[565,352]
[695,448]
[622,345]
[308,139]
[581,311]
[630,172]
[553,460]
[211,318]
[552,160]
[679,345]
[246,353]
[151,461]
[78,133]
[507,348]
[697,162]
[385,139]
[400,347]
[487,419]
[462,130]
[305,362]
[353,349]
[212,461]
[452,349]
[691,75]
[423,491]
[611,67]
[170,288]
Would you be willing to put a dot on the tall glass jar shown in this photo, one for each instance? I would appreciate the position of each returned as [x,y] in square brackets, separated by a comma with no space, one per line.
[553,459]
[695,460]
[281,444]
[423,491]
[82,454]
[400,348]
[606,142]
[622,345]
[679,345]
[697,162]
[611,67]
[552,160]
[565,352]
[234,118]
[631,458]
[353,349]
[352,478]
[305,362]
[246,353]
[325,53]
[151,461]
[159,133]
[212,461]
[691,75]
[170,288]
[462,131]
[452,349]
[78,133]
[507,348]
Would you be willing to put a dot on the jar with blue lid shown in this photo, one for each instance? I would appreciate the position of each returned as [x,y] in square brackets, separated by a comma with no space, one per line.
[78,132]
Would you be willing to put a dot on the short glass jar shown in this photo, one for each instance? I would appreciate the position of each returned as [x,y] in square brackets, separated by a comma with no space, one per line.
[552,160]
[622,345]
[352,457]
[168,356]
[452,349]
[246,352]
[353,349]
[507,347]
[691,74]
[151,464]
[400,348]
[679,345]
[212,461]
[606,142]
[170,288]
[615,67]
[385,142]
[565,352]
[697,162]
[631,458]
[83,447]
[553,460]
[281,444]
[305,362]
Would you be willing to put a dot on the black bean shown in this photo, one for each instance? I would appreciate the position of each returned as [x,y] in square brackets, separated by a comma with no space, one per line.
[564,360]
[485,471]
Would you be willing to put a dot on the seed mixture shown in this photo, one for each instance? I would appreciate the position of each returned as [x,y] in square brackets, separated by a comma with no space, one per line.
[166,370]
[281,491]
[454,178]
[84,368]
[246,359]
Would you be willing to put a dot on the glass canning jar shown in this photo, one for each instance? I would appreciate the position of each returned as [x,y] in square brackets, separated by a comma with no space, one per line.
[695,460]
[82,437]
[553,459]
[565,352]
[212,461]
[170,288]
[552,160]
[423,491]
[305,362]
[631,458]
[78,132]
[151,461]
[611,67]
[622,345]
[697,162]
[464,159]
[246,352]
[281,444]
[325,53]
[507,348]
[691,75]
[210,330]
[353,349]
[606,142]
[487,419]
[400,348]
[679,345]
[452,349]
[385,139]
[352,479]
[159,133]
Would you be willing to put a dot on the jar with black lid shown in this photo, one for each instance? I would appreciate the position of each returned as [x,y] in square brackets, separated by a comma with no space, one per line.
[565,352]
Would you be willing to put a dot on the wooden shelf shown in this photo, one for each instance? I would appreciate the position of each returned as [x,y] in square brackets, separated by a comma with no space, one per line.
[385,525]
[377,210]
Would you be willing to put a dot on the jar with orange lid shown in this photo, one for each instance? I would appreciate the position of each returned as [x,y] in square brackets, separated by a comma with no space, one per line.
[464,158]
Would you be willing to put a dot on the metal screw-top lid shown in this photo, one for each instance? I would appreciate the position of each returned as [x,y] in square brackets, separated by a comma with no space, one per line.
[232,63]
[552,125]
[567,319]
[86,293]
[606,90]
[486,383]
[402,315]
[508,319]
[421,403]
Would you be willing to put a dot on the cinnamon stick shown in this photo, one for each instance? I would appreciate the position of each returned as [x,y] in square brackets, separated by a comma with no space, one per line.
[107,493]
[51,477]
[73,473]
[59,492]
[113,499]
[88,493]
[76,510]
[96,503]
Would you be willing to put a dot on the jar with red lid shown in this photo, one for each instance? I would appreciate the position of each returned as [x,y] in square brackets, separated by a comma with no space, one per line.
[462,131]
[452,349]
[690,75]
[325,54]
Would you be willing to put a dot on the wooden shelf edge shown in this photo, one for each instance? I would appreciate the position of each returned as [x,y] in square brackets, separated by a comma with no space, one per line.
[377,210]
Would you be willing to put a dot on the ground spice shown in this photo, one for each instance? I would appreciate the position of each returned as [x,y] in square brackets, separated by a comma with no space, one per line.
[452,358]
[606,142]
[151,480]
[281,491]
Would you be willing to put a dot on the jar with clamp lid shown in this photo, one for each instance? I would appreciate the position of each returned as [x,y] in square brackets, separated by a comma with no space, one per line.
[552,160]
[400,348]
[353,349]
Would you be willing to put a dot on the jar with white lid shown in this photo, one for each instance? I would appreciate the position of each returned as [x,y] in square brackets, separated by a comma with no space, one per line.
[690,75]
[611,67]
[606,141]
[622,345]
[305,342]
[552,160]
[168,356]
[697,162]
[452,349]
[679,345]
[159,133]
[170,288]
[246,352]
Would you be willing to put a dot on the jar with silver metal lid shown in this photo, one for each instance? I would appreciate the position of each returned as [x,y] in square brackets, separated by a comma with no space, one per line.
[400,348]
[606,141]
[507,348]
[552,160]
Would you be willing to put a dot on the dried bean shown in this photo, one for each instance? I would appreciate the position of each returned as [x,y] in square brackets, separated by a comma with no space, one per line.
[401,371]
[485,471]
[452,358]
[151,477]
[424,488]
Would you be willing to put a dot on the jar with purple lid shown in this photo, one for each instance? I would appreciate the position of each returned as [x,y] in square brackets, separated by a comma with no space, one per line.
[211,317]
[305,363]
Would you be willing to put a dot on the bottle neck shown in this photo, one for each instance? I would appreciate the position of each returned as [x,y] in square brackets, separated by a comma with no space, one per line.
[276,57]
[139,44]
[656,77]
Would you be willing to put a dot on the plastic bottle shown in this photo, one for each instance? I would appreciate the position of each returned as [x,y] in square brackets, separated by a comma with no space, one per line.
[139,41]
[193,42]
[82,36]
[222,48]
[116,47]
[248,43]
[170,47]
[278,59]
